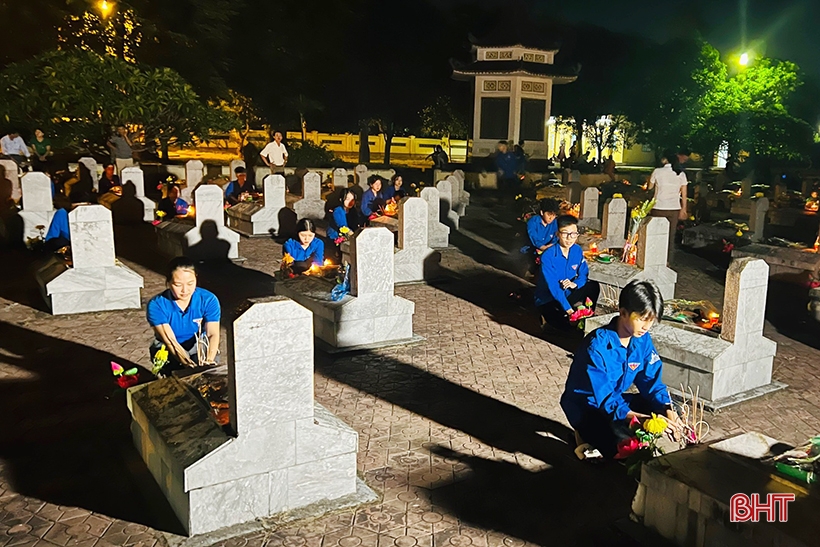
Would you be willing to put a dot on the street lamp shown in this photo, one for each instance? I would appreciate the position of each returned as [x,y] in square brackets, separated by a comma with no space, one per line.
[744,59]
[106,8]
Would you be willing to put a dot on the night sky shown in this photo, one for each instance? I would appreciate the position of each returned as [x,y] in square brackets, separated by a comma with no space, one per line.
[784,29]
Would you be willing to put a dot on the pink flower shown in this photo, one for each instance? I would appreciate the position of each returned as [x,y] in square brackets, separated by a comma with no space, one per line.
[627,447]
[634,422]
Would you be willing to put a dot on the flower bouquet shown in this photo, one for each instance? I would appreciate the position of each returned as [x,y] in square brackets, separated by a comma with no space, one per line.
[125,378]
[344,235]
[583,311]
[160,215]
[639,213]
[285,266]
[643,446]
[160,360]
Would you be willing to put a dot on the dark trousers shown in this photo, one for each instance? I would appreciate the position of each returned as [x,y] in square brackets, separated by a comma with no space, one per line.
[555,316]
[603,432]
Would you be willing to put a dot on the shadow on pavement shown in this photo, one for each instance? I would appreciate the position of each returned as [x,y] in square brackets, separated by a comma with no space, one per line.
[567,501]
[66,431]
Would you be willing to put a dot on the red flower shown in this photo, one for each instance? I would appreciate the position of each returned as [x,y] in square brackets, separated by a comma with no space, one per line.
[634,423]
[127,381]
[627,447]
[814,284]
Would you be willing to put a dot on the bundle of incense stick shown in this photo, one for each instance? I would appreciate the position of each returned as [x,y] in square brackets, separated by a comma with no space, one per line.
[692,410]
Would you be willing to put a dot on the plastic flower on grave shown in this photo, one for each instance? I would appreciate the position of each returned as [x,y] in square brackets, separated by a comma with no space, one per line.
[160,360]
[160,214]
[739,233]
[616,196]
[655,425]
[628,447]
[344,230]
[287,259]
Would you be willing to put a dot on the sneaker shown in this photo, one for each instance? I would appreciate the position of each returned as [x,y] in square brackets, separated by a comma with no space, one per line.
[586,451]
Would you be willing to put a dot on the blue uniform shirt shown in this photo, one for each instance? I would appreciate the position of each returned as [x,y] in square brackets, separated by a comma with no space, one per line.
[554,268]
[59,225]
[316,250]
[603,369]
[203,308]
[539,234]
[337,220]
[367,201]
[181,206]
[390,192]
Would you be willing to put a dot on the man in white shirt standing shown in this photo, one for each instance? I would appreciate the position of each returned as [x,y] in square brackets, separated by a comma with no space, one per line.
[275,155]
[13,146]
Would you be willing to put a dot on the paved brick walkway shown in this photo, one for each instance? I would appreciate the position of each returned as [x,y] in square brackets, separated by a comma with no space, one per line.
[460,434]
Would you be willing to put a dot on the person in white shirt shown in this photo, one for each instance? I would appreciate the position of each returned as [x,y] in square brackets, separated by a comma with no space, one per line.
[669,183]
[275,155]
[13,146]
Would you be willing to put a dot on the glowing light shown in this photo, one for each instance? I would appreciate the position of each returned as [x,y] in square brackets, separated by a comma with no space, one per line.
[744,59]
[106,8]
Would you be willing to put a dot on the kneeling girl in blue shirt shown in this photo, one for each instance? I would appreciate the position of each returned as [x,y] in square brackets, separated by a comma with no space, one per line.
[307,250]
[609,361]
[185,318]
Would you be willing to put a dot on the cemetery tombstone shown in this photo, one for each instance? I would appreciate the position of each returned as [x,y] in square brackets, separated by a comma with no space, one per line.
[13,175]
[96,281]
[757,218]
[614,224]
[371,315]
[260,219]
[414,260]
[137,177]
[448,215]
[233,166]
[194,174]
[456,186]
[438,234]
[211,239]
[339,178]
[311,205]
[464,195]
[589,210]
[38,205]
[285,451]
[361,176]
[93,167]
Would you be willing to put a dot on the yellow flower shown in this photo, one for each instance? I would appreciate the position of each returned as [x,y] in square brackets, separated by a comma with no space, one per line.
[655,425]
[287,259]
[162,354]
[344,230]
[615,196]
[739,233]
[160,214]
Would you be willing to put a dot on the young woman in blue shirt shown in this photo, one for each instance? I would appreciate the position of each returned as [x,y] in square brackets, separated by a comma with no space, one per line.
[610,360]
[307,249]
[372,199]
[185,318]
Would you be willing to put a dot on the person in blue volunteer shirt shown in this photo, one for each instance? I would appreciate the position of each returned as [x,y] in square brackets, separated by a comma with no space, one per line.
[372,199]
[307,250]
[238,186]
[345,215]
[394,189]
[185,318]
[541,229]
[564,282]
[610,360]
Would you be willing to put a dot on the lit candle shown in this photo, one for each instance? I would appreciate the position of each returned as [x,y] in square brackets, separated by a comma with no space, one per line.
[593,247]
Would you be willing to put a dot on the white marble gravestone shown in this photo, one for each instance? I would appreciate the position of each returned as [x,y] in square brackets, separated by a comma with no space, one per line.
[463,195]
[260,219]
[285,452]
[614,224]
[339,178]
[371,315]
[210,213]
[361,176]
[311,205]
[234,165]
[38,205]
[757,218]
[94,168]
[14,176]
[653,248]
[448,215]
[589,209]
[414,260]
[96,282]
[194,173]
[733,367]
[438,234]
[135,175]
[457,185]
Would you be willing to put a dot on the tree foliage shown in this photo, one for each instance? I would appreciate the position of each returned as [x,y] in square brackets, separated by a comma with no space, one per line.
[441,119]
[77,96]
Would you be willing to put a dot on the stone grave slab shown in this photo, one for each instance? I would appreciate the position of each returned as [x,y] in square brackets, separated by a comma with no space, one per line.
[782,261]
[650,264]
[260,219]
[371,315]
[194,174]
[438,233]
[414,260]
[589,210]
[613,226]
[730,368]
[685,496]
[280,452]
[135,175]
[448,215]
[209,239]
[361,173]
[14,176]
[311,205]
[94,168]
[96,281]
[38,207]
[339,178]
